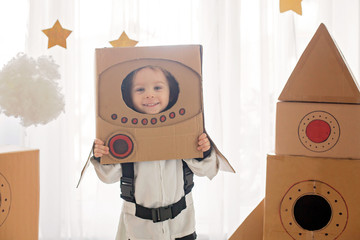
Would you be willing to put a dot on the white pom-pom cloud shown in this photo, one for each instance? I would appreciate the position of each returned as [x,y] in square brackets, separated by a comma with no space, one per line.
[29,90]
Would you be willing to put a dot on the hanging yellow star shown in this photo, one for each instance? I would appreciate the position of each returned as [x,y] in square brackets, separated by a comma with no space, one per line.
[294,5]
[123,41]
[57,35]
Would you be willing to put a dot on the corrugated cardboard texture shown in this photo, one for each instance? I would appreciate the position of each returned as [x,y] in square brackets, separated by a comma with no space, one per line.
[252,227]
[187,55]
[318,129]
[291,179]
[321,74]
[171,134]
[19,193]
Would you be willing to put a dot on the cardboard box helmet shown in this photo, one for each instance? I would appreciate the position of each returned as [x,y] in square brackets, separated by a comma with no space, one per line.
[134,136]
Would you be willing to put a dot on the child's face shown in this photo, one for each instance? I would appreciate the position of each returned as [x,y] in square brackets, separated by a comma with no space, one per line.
[150,91]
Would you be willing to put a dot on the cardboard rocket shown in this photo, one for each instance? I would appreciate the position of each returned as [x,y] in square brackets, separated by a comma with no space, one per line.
[312,179]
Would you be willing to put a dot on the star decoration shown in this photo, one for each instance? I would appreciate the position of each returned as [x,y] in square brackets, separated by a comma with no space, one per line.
[123,41]
[57,35]
[294,5]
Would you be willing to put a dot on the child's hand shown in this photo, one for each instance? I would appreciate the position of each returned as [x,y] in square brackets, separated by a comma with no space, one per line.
[203,143]
[99,148]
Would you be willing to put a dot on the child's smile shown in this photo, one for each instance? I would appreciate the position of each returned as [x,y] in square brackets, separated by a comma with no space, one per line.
[151,104]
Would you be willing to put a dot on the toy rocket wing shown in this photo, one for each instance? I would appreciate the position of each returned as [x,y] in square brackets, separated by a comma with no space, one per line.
[252,227]
[224,164]
[85,166]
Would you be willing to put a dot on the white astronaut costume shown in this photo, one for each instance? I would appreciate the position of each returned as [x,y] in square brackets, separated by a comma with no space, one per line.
[158,184]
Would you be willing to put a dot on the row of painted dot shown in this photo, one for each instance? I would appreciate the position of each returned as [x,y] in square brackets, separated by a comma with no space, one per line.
[145,121]
[2,210]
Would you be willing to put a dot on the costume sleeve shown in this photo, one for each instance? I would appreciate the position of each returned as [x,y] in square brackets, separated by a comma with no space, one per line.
[209,166]
[110,173]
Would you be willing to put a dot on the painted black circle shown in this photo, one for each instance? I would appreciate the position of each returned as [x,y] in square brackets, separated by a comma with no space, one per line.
[153,121]
[134,121]
[182,111]
[114,116]
[120,146]
[172,115]
[124,120]
[144,121]
[312,212]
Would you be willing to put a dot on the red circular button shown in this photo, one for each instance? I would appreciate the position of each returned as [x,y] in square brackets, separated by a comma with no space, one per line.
[182,111]
[153,121]
[318,131]
[134,121]
[121,146]
[124,120]
[144,121]
[172,115]
[114,116]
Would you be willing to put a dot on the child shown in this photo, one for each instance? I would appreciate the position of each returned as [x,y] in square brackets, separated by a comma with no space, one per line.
[160,206]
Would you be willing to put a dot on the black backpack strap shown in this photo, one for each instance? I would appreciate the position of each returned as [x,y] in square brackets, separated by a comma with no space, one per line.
[127,183]
[188,178]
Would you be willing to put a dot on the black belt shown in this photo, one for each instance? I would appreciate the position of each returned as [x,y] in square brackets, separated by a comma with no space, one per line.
[188,237]
[162,213]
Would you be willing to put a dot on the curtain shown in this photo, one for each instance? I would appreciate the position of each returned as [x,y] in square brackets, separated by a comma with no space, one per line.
[249,51]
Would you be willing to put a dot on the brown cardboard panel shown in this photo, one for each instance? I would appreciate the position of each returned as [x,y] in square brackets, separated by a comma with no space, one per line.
[133,136]
[252,227]
[224,164]
[19,193]
[170,142]
[318,129]
[167,135]
[321,74]
[311,198]
[188,55]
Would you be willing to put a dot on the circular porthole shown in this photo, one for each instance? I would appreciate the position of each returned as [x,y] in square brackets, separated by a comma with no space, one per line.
[312,212]
[319,131]
[120,146]
[313,207]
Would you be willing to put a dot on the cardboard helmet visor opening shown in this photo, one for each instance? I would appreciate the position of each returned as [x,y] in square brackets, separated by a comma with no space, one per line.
[111,80]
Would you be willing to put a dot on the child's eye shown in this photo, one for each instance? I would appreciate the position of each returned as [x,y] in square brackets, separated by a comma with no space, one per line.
[139,89]
[157,88]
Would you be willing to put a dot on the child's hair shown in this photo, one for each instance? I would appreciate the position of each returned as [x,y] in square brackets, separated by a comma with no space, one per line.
[127,85]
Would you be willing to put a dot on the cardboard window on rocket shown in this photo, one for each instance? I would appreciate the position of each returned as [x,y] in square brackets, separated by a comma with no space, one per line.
[162,129]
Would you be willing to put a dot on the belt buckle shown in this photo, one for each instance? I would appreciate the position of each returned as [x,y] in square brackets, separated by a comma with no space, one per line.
[127,189]
[161,214]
